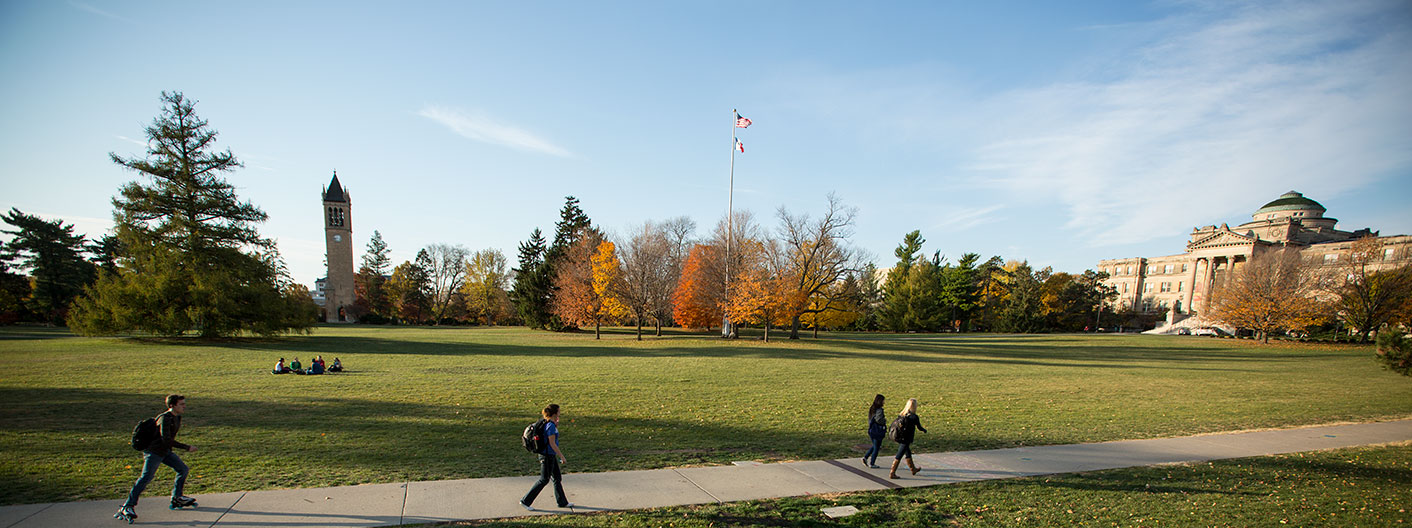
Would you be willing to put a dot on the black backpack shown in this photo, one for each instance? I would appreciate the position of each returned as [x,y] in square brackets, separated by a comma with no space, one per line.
[533,437]
[894,430]
[145,434]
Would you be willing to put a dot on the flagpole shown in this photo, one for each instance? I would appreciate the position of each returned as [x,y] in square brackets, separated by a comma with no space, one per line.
[728,330]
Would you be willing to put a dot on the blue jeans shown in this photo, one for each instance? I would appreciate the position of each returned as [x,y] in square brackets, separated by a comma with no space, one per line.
[548,469]
[872,455]
[150,463]
[904,451]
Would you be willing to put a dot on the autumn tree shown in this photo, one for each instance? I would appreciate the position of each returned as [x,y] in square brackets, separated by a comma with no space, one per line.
[734,237]
[410,289]
[1372,288]
[484,290]
[1272,292]
[698,297]
[191,256]
[578,301]
[816,256]
[760,292]
[446,275]
[646,283]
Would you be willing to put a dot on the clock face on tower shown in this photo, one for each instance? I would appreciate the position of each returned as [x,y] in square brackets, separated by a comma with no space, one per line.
[338,238]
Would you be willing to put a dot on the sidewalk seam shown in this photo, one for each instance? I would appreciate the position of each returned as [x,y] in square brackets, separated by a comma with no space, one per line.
[232,507]
[402,516]
[36,512]
[698,486]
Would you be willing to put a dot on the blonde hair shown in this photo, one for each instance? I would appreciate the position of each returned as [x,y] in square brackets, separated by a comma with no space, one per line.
[910,408]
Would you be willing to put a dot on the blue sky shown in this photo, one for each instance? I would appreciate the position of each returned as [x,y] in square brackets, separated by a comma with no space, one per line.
[1061,133]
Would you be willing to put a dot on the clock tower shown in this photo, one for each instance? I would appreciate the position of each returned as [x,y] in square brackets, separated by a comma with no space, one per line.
[338,240]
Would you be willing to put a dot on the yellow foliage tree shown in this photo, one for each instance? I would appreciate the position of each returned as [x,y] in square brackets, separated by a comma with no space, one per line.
[1274,291]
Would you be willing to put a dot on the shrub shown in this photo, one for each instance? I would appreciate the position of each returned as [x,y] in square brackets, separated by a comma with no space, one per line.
[1395,352]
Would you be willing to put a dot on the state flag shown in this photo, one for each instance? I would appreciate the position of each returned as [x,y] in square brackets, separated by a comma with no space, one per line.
[740,145]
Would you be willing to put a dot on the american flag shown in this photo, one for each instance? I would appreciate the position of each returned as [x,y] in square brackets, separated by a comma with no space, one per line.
[741,122]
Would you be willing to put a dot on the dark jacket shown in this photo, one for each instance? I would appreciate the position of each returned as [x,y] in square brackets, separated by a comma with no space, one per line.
[168,425]
[910,423]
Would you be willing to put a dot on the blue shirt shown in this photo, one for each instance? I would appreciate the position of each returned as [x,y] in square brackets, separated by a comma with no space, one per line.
[551,429]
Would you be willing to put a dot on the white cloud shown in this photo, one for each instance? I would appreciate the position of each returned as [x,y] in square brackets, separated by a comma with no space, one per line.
[481,128]
[139,143]
[1214,120]
[91,9]
[962,218]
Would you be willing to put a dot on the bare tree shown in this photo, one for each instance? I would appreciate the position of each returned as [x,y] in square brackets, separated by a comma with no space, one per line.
[446,274]
[735,262]
[1372,289]
[817,257]
[646,280]
[1273,291]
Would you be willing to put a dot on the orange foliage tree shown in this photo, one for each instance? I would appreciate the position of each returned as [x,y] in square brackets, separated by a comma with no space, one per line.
[759,292]
[576,300]
[696,303]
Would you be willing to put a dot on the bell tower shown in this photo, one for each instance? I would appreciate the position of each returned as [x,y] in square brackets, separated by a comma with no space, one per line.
[338,242]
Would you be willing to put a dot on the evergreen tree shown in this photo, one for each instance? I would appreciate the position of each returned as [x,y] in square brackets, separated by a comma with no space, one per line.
[959,291]
[370,283]
[191,256]
[530,293]
[897,298]
[53,254]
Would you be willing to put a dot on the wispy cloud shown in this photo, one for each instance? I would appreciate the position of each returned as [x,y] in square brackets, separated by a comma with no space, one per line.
[1233,108]
[962,218]
[139,143]
[477,127]
[91,9]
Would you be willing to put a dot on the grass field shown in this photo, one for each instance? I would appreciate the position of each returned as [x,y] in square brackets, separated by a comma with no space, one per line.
[438,403]
[1366,486]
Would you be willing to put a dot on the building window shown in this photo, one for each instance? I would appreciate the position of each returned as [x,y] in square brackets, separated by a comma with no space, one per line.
[1389,253]
[1167,269]
[1128,271]
[1330,258]
[1179,285]
[1183,267]
[1125,287]
[1147,288]
[1166,286]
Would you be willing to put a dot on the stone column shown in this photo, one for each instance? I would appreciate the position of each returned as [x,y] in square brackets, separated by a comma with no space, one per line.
[1191,287]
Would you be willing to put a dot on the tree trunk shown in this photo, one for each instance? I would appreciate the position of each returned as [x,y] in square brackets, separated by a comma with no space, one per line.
[794,328]
[595,328]
[639,328]
[816,330]
[767,330]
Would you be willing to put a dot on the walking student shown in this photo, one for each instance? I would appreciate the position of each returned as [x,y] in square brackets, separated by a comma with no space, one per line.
[877,428]
[162,451]
[907,424]
[550,457]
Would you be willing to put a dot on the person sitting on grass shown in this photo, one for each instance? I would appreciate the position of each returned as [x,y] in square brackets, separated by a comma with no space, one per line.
[296,367]
[315,367]
[337,366]
[280,368]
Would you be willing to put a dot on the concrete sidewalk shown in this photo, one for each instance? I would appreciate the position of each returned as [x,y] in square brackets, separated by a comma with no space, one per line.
[488,498]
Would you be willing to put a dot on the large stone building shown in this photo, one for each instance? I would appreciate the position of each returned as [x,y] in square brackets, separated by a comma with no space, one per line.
[1183,282]
[338,240]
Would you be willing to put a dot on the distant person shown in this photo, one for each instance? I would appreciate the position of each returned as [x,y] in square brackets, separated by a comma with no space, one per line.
[316,367]
[877,429]
[550,458]
[280,368]
[296,367]
[162,452]
[909,423]
[336,367]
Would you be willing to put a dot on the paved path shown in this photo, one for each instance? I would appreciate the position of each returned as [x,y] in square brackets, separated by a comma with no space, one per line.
[486,498]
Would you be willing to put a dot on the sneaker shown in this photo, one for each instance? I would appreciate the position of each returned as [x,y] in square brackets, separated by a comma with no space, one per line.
[569,505]
[526,506]
[865,462]
[182,502]
[125,514]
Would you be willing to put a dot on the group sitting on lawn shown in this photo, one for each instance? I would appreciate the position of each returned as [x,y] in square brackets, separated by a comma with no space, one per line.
[315,367]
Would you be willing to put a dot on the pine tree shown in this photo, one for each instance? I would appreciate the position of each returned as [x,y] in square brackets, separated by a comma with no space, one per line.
[191,257]
[53,254]
[371,281]
[530,294]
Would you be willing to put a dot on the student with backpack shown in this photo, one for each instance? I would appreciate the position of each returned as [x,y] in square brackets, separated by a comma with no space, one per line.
[546,442]
[158,444]
[901,431]
[877,428]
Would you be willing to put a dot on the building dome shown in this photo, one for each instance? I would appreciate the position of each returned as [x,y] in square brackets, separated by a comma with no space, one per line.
[1291,201]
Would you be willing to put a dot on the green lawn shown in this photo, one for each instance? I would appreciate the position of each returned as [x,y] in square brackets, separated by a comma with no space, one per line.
[439,403]
[1365,486]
